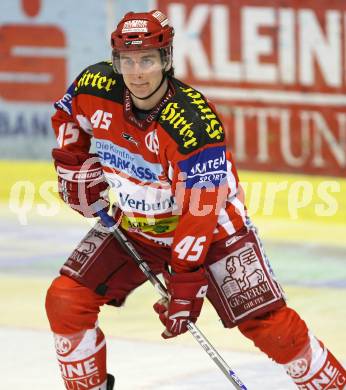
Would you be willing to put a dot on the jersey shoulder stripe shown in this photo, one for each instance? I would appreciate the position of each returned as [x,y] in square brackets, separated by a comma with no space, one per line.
[100,80]
[190,120]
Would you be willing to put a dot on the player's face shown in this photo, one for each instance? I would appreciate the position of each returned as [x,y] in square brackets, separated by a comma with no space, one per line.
[141,70]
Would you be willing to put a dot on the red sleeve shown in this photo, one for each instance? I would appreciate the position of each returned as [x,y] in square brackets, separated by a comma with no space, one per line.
[68,132]
[200,187]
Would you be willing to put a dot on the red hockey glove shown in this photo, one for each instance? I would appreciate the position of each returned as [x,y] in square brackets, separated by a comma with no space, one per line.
[81,182]
[187,291]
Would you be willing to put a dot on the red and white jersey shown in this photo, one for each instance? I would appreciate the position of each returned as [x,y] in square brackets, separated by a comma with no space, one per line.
[170,172]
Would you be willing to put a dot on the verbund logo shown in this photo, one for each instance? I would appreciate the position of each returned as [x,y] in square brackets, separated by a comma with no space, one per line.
[32,66]
[277,72]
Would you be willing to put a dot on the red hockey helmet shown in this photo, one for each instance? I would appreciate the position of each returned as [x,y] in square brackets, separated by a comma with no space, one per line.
[143,31]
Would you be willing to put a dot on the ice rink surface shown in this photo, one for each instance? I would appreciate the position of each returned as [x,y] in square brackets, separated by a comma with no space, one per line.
[136,365]
[31,256]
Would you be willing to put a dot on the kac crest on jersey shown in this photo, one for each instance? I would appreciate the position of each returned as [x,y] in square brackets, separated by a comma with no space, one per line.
[152,142]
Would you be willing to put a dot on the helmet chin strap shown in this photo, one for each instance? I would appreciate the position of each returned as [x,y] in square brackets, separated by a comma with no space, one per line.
[164,77]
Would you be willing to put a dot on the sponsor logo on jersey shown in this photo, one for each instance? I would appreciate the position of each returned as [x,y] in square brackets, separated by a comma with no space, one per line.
[151,225]
[65,103]
[152,142]
[129,163]
[143,206]
[174,114]
[214,128]
[95,80]
[134,170]
[129,138]
[206,167]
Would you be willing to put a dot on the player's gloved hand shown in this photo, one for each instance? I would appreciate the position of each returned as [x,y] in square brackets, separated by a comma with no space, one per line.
[186,291]
[81,182]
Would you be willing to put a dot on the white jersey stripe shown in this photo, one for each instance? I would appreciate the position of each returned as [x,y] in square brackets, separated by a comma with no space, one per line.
[225,222]
[240,208]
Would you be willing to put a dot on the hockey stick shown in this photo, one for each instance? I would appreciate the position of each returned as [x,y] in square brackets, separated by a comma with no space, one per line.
[156,282]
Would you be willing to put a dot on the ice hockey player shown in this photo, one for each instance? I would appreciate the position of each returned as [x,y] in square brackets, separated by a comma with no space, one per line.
[160,146]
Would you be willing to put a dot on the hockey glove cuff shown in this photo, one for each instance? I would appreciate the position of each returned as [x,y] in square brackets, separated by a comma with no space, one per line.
[81,182]
[186,291]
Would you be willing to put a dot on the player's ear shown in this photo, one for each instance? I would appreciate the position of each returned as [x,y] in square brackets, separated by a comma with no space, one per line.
[168,64]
